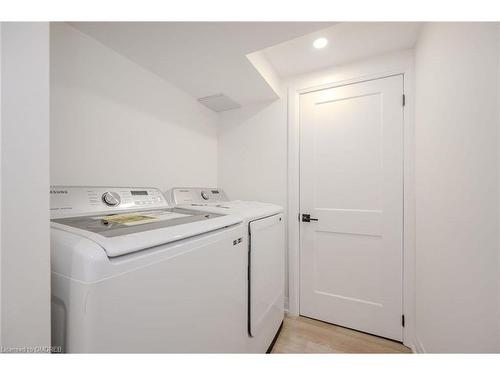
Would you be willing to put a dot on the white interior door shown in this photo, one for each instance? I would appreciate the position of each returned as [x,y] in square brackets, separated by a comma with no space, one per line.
[351,181]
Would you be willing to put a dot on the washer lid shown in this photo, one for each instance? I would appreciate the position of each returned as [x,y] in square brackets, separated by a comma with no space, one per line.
[123,233]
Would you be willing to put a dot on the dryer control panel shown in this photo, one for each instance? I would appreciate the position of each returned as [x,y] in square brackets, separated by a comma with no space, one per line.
[67,201]
[196,195]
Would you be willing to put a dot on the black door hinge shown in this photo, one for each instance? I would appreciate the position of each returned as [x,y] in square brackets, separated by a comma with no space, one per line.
[404,100]
[403,320]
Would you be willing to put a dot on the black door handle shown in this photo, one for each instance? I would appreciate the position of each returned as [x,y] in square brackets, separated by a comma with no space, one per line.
[306,218]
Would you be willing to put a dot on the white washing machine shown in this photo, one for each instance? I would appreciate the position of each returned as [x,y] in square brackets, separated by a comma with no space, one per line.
[265,240]
[131,274]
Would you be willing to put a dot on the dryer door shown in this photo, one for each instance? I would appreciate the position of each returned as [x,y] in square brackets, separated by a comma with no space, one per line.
[266,275]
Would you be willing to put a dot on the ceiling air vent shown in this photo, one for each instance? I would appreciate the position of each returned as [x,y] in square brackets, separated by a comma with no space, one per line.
[219,102]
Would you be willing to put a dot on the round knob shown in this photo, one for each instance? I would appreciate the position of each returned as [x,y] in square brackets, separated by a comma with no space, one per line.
[111,198]
[204,195]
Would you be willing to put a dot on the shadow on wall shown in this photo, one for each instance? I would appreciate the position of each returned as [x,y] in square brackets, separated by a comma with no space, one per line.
[115,123]
[81,64]
[252,150]
[241,116]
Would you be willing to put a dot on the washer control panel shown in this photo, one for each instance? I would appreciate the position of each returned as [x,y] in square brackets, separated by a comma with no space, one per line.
[196,195]
[66,201]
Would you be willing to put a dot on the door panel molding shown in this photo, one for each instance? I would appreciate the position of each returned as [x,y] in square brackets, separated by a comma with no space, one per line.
[360,222]
[350,299]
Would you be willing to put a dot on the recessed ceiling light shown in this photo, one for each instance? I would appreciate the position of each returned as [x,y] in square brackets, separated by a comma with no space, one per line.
[320,43]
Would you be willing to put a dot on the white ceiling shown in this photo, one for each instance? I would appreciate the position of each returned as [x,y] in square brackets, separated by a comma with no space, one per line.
[347,42]
[202,58]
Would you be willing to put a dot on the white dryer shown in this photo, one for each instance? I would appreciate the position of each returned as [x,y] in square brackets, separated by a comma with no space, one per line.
[265,240]
[131,274]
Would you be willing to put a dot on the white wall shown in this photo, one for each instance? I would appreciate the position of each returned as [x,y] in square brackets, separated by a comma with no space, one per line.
[253,152]
[457,188]
[25,249]
[115,123]
[387,63]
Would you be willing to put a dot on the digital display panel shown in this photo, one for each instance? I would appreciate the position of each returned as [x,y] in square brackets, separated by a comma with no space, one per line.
[139,192]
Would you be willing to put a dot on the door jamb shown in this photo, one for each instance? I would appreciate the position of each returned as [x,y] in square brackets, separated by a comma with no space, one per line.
[409,292]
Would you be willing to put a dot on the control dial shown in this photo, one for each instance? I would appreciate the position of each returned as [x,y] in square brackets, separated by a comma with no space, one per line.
[111,198]
[204,195]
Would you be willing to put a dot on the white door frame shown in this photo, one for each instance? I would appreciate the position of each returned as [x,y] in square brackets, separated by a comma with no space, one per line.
[404,67]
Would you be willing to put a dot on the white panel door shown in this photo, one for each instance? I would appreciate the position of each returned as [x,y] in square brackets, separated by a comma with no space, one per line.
[351,181]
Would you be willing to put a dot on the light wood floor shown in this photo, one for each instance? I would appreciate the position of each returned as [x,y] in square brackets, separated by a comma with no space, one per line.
[304,335]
